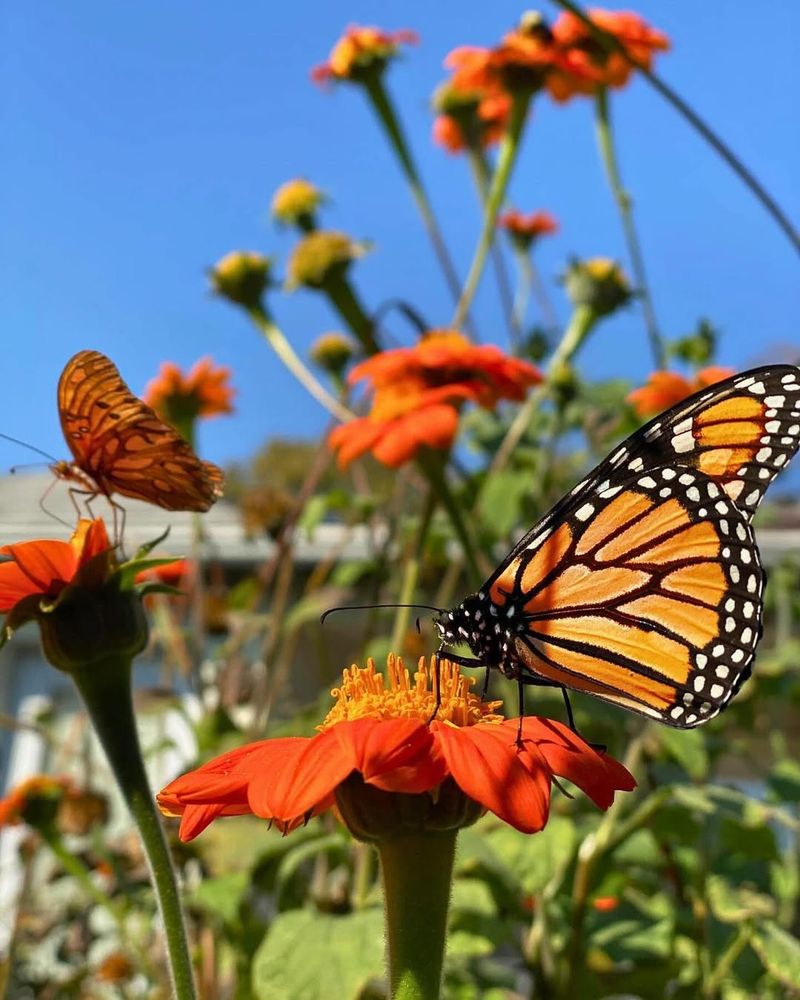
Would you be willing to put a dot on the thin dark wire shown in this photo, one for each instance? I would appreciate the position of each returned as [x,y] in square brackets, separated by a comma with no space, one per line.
[30,447]
[610,42]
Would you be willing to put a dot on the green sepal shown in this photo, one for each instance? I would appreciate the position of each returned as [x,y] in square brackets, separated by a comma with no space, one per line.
[23,612]
[159,588]
[143,550]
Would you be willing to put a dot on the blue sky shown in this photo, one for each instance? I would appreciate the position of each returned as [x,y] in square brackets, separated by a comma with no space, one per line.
[143,141]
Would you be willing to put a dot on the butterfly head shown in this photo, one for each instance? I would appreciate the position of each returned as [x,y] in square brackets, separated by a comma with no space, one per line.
[478,623]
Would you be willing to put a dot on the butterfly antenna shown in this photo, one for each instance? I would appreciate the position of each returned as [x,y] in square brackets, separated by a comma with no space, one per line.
[30,447]
[25,465]
[370,607]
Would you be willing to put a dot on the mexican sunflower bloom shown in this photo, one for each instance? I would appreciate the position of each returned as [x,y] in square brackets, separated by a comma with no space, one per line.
[469,119]
[599,65]
[664,389]
[417,393]
[360,51]
[522,62]
[35,798]
[385,768]
[37,572]
[527,228]
[204,391]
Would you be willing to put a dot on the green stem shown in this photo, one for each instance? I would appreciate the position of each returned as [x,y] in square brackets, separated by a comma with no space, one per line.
[612,44]
[432,468]
[344,299]
[106,690]
[581,323]
[482,175]
[73,866]
[417,873]
[276,338]
[494,200]
[373,83]
[411,573]
[605,140]
[592,849]
[727,960]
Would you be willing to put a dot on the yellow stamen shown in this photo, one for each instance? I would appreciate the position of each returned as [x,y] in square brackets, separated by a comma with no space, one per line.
[364,695]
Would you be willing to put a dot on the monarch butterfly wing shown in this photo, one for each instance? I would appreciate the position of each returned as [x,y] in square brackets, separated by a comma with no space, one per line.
[645,593]
[739,432]
[123,444]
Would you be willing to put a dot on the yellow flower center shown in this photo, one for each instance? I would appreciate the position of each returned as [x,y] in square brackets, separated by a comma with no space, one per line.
[366,694]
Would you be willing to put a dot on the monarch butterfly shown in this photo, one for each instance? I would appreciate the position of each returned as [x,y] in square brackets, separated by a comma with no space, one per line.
[643,586]
[120,445]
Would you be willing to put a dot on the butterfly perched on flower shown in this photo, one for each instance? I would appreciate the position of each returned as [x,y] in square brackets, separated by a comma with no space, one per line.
[120,445]
[643,586]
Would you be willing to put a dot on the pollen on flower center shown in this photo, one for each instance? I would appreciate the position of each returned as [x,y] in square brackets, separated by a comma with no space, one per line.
[364,694]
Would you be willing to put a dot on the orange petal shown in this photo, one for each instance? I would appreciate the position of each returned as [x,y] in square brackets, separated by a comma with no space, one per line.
[570,757]
[486,764]
[47,564]
[396,755]
[295,775]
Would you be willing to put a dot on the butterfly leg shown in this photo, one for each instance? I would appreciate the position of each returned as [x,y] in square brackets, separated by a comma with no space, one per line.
[46,510]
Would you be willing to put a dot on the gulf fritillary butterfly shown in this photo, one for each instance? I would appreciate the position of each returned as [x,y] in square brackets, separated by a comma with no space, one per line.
[120,445]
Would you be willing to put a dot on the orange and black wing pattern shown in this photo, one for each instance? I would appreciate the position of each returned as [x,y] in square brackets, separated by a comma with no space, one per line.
[643,586]
[740,433]
[648,595]
[123,446]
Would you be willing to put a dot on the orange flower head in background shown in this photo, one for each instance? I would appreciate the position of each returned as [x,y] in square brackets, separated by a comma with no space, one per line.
[360,51]
[469,119]
[204,391]
[665,389]
[384,768]
[592,64]
[522,62]
[37,798]
[417,392]
[525,229]
[40,570]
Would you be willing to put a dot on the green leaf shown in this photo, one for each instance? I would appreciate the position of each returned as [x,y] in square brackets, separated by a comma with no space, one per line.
[221,897]
[307,955]
[464,944]
[313,512]
[472,895]
[785,780]
[779,951]
[501,500]
[733,904]
[539,858]
[306,610]
[311,848]
[688,749]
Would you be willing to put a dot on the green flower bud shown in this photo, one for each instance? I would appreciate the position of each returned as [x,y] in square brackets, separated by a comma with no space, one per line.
[598,283]
[241,277]
[321,257]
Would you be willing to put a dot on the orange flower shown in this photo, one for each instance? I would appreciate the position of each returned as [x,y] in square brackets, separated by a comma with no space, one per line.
[361,50]
[466,119]
[664,389]
[596,65]
[171,574]
[40,570]
[417,391]
[523,61]
[204,391]
[604,904]
[377,760]
[24,800]
[527,228]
